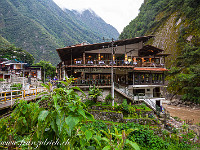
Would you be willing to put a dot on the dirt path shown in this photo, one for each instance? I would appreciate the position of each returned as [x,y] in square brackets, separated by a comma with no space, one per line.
[184,113]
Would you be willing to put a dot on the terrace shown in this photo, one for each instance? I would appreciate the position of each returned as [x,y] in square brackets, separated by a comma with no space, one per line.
[95,60]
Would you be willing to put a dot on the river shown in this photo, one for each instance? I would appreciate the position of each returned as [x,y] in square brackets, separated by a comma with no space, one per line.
[183,113]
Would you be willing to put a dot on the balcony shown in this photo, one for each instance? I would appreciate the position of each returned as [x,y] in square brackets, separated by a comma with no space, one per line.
[115,63]
[88,82]
[149,64]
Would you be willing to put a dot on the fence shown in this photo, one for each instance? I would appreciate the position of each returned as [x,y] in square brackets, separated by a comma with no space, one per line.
[14,94]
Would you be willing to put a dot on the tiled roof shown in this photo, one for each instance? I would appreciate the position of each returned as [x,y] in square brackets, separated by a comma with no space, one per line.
[150,69]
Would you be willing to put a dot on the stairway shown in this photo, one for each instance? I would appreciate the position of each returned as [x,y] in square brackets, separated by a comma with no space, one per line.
[151,104]
[125,92]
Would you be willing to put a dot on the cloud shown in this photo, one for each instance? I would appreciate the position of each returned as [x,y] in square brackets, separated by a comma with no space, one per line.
[117,13]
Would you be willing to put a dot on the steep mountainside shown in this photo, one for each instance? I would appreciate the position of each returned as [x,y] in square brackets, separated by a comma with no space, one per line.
[172,22]
[3,42]
[40,26]
[175,25]
[89,19]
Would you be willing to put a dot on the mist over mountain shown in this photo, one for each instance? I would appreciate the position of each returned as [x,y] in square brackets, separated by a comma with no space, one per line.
[91,20]
[40,26]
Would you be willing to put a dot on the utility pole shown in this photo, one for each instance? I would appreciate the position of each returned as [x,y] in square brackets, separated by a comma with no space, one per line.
[112,74]
[23,71]
[44,75]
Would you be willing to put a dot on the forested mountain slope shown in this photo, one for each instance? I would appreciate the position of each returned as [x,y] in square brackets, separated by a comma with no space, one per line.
[95,23]
[175,25]
[40,26]
[3,42]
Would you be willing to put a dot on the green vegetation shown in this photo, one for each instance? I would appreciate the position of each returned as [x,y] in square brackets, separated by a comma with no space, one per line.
[131,109]
[177,21]
[94,92]
[109,99]
[184,78]
[64,123]
[41,26]
[3,41]
[153,13]
[11,52]
[16,86]
[147,137]
[1,80]
[50,70]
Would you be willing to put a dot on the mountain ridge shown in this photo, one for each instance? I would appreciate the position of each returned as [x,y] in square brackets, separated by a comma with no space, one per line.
[175,25]
[40,27]
[162,19]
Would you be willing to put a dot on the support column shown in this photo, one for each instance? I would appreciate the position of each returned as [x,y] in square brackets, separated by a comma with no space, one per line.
[139,78]
[135,61]
[150,78]
[60,74]
[142,62]
[160,60]
[163,78]
[71,62]
[112,82]
[84,58]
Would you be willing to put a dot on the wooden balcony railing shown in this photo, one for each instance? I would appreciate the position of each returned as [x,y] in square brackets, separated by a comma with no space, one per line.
[88,82]
[118,63]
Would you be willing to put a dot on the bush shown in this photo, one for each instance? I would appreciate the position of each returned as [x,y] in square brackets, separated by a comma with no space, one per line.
[108,99]
[1,79]
[59,85]
[131,109]
[94,92]
[16,86]
[89,102]
[125,106]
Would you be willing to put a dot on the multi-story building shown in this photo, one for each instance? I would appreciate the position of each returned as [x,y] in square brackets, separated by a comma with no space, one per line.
[138,68]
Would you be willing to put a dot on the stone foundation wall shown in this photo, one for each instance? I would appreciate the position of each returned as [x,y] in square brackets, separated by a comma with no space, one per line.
[105,91]
[118,117]
[142,121]
[107,116]
[144,113]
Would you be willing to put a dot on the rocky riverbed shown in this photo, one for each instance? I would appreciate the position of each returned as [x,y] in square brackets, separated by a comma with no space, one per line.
[182,113]
[184,110]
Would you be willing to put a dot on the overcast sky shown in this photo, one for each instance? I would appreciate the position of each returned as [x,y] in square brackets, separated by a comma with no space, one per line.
[118,13]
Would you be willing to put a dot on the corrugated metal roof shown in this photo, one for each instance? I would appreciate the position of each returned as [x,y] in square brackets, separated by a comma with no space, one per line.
[64,53]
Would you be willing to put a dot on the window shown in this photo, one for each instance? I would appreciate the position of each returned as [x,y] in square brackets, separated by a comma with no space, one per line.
[136,78]
[142,78]
[147,80]
[140,92]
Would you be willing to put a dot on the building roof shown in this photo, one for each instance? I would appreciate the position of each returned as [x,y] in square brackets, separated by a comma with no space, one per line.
[76,50]
[11,62]
[149,50]
[149,69]
[3,59]
[161,54]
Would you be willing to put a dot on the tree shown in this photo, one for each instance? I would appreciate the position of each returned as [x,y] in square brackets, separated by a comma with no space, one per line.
[9,51]
[49,69]
[184,78]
